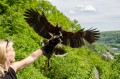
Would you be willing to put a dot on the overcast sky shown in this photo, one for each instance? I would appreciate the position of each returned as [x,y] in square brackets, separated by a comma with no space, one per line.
[101,14]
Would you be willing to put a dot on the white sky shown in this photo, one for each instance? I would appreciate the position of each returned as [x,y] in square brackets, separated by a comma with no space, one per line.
[101,14]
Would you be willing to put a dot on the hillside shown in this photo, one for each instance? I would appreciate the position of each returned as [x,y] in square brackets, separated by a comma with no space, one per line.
[79,63]
[112,39]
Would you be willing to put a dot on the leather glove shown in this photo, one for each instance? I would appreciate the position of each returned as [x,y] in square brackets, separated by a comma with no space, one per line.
[48,48]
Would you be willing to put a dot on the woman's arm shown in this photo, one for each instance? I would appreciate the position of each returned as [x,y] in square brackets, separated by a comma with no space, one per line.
[46,50]
[25,62]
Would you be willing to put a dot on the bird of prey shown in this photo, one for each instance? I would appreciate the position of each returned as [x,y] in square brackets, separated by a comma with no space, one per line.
[43,27]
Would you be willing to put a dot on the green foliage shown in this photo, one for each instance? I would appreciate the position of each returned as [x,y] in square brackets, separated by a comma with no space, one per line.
[77,64]
[111,39]
[3,8]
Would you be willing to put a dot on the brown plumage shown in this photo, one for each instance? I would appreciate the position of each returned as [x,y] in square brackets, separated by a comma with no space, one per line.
[43,27]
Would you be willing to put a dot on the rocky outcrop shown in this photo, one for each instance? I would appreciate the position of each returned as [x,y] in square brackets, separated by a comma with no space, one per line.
[96,74]
[107,56]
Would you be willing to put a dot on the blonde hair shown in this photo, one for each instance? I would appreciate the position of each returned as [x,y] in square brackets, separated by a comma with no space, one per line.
[4,46]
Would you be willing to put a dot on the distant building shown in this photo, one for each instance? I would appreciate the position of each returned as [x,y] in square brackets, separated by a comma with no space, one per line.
[114,49]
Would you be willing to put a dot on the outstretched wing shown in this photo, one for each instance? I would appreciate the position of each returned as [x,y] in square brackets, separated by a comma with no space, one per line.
[91,35]
[76,39]
[39,23]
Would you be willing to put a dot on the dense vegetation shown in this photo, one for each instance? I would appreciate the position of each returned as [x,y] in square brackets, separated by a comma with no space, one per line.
[77,64]
[111,39]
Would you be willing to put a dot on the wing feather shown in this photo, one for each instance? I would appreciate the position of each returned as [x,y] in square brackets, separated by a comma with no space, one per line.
[76,39]
[91,35]
[39,23]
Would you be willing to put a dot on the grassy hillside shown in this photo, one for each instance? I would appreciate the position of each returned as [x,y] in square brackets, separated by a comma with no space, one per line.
[77,64]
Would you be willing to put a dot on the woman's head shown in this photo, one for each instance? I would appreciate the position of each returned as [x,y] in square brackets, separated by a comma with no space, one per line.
[6,51]
[7,55]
